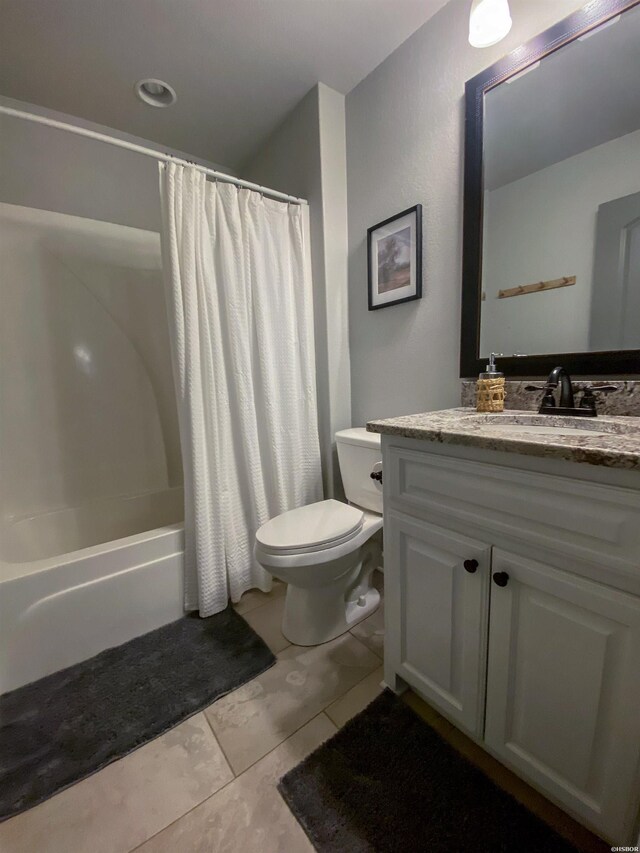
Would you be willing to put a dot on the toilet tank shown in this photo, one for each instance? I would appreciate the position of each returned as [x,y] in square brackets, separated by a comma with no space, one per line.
[359,454]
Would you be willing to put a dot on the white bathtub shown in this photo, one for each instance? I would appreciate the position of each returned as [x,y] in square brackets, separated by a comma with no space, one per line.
[58,610]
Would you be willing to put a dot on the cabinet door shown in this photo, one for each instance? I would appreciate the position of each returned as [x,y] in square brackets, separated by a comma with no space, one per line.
[563,689]
[436,615]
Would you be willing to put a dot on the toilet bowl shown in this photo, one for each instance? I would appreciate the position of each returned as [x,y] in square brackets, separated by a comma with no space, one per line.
[326,551]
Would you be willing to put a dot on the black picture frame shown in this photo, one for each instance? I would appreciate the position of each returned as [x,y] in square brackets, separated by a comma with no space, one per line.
[604,363]
[415,261]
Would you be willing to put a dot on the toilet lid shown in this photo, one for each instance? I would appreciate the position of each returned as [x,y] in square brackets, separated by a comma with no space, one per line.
[314,525]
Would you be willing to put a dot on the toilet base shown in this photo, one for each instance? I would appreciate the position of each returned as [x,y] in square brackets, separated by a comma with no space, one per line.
[300,624]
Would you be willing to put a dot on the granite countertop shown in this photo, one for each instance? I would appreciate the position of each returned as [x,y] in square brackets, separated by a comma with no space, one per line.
[618,447]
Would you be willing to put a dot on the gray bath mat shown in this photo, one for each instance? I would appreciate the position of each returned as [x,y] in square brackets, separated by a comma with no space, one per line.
[64,727]
[388,782]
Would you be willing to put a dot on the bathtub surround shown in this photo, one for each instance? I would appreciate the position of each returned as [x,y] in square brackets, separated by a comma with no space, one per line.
[61,729]
[91,501]
[387,781]
[239,302]
[88,411]
[624,401]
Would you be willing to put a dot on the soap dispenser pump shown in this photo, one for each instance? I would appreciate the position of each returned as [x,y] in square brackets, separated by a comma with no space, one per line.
[491,391]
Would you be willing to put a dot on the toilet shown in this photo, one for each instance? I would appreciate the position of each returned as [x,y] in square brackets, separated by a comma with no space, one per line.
[327,551]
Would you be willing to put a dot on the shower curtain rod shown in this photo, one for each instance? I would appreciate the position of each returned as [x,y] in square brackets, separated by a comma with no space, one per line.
[148,152]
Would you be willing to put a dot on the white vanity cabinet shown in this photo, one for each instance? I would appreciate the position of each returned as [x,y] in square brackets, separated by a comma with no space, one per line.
[563,688]
[512,604]
[440,647]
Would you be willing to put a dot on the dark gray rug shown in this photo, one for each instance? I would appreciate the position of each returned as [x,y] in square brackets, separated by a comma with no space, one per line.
[388,782]
[64,727]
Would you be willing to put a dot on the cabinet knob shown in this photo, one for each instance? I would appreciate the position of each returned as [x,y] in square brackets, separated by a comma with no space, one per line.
[501,578]
[470,566]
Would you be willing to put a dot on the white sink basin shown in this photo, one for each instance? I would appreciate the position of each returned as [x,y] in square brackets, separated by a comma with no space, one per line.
[536,429]
[548,425]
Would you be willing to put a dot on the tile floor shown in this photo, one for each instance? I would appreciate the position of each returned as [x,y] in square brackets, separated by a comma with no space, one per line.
[209,785]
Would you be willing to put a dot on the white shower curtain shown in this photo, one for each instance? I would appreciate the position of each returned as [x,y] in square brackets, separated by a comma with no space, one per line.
[239,300]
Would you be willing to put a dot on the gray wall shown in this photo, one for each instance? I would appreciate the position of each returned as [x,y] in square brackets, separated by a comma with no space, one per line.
[52,169]
[405,146]
[306,156]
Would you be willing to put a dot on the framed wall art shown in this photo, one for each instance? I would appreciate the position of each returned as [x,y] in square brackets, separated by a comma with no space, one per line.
[394,249]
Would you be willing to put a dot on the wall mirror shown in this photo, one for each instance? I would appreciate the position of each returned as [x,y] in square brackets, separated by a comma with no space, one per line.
[551,265]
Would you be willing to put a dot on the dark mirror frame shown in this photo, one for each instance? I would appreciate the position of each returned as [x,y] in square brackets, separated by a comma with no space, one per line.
[604,363]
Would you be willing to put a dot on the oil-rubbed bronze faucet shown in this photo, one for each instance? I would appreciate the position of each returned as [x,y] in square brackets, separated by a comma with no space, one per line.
[560,376]
[588,400]
[566,404]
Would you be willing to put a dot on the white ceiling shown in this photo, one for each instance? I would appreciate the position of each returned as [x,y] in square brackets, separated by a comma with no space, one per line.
[238,66]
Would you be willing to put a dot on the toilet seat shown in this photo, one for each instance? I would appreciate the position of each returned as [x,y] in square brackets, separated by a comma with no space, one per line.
[311,528]
[301,560]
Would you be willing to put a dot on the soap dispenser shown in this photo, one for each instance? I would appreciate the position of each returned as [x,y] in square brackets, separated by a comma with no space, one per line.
[490,393]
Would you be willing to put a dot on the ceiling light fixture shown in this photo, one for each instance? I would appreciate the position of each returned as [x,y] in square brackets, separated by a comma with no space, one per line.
[489,22]
[155,93]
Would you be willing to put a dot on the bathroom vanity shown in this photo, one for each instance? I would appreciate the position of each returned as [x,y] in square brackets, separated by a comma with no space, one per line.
[512,594]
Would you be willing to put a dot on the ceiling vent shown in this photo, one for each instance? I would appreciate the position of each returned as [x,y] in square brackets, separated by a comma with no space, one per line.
[155,93]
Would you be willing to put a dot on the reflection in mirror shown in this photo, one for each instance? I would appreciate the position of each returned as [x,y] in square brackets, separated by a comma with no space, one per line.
[561,228]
